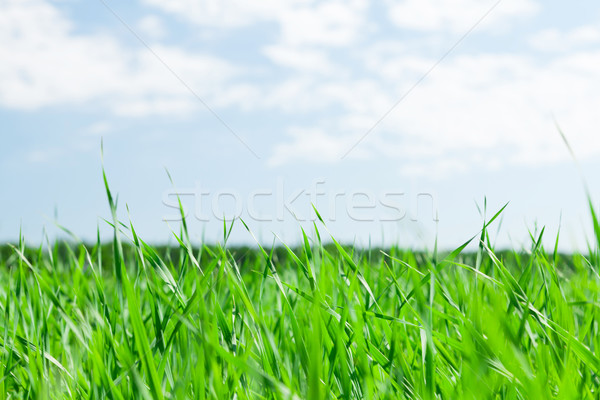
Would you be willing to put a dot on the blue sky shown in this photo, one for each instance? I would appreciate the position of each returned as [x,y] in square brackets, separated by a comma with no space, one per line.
[258,109]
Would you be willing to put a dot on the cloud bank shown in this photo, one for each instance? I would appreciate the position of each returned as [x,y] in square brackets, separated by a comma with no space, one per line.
[332,69]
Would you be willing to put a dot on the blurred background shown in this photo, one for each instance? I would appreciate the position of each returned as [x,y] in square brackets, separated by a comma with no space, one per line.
[396,119]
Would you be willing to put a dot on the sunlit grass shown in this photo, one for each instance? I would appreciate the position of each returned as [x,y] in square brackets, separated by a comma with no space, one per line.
[318,321]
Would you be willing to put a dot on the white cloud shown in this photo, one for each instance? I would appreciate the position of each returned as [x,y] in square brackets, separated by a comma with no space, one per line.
[554,40]
[221,13]
[333,23]
[476,111]
[301,22]
[45,63]
[306,94]
[300,59]
[313,145]
[152,26]
[481,110]
[456,16]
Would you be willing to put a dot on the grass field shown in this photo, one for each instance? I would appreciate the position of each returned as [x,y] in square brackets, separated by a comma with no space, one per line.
[128,320]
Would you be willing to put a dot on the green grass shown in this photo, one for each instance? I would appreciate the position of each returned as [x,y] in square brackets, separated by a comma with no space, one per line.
[319,321]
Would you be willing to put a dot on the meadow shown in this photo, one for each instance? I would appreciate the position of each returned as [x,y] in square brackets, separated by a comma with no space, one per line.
[126,319]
